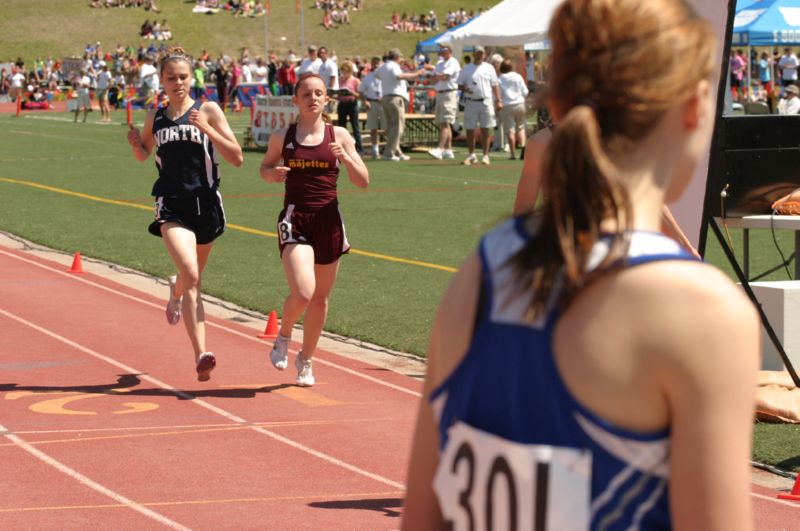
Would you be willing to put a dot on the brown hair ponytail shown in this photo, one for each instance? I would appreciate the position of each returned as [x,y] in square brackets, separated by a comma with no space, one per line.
[617,67]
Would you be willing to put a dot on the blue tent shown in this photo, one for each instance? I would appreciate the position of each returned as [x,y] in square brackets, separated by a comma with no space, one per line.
[430,46]
[767,23]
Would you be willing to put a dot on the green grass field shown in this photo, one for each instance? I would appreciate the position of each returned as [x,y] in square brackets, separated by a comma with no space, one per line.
[76,187]
[61,28]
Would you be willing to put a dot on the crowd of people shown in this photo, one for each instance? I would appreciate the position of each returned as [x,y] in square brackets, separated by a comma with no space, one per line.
[147,5]
[239,8]
[769,78]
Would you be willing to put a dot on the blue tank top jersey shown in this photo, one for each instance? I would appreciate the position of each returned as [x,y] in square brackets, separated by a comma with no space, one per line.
[517,449]
[185,158]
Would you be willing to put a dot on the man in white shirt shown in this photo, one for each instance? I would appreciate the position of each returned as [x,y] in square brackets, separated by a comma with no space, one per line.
[328,70]
[790,104]
[371,94]
[311,64]
[260,72]
[17,83]
[148,78]
[394,101]
[478,83]
[788,64]
[446,75]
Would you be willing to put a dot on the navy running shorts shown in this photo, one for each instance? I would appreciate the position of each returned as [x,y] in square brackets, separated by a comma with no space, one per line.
[202,215]
[322,229]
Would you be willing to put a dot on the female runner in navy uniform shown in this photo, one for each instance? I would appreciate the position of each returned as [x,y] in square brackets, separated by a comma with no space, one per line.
[311,234]
[188,136]
[585,371]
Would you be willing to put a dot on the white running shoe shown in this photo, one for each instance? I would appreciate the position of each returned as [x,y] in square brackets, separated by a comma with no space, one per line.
[403,156]
[280,353]
[436,153]
[391,158]
[470,160]
[205,364]
[305,376]
[173,309]
[448,154]
[485,160]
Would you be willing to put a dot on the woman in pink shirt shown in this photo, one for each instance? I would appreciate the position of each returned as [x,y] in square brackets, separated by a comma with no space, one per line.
[348,102]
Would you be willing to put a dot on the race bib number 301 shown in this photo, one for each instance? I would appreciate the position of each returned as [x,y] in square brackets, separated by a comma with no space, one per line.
[487,482]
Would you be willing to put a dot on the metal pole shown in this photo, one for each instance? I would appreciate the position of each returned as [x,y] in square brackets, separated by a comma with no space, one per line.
[302,30]
[266,33]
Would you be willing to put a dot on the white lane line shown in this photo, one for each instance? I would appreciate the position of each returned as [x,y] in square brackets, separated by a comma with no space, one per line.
[214,325]
[204,404]
[77,476]
[788,503]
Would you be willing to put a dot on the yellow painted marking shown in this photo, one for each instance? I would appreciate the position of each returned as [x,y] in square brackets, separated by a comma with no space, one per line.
[136,407]
[343,496]
[232,226]
[55,406]
[304,396]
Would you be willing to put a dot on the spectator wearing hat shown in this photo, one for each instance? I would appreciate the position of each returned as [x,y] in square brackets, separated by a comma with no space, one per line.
[791,103]
[371,96]
[479,84]
[394,101]
[311,64]
[445,73]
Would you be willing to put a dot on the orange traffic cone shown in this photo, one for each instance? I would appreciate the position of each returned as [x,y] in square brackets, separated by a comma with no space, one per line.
[795,494]
[271,331]
[77,265]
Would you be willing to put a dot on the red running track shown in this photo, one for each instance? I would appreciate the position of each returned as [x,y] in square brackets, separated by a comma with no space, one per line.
[105,425]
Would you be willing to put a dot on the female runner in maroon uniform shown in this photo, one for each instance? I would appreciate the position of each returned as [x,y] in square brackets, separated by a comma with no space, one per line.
[311,234]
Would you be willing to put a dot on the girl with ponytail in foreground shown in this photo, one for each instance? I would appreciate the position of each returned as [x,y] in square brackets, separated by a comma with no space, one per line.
[605,378]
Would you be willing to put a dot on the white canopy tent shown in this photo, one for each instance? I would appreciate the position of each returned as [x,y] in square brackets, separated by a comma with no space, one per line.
[509,23]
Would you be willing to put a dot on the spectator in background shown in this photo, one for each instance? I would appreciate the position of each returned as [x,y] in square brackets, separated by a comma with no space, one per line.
[234,79]
[272,74]
[478,82]
[738,66]
[148,78]
[199,81]
[328,70]
[394,101]
[81,83]
[103,84]
[788,64]
[260,72]
[790,105]
[499,143]
[348,103]
[513,91]
[16,83]
[221,75]
[371,94]
[311,64]
[445,74]
[287,77]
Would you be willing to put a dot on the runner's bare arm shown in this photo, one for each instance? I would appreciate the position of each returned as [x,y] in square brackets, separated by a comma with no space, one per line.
[530,180]
[142,142]
[211,120]
[270,170]
[708,380]
[448,344]
[344,149]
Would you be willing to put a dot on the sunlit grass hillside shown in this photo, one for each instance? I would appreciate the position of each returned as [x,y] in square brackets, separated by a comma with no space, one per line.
[60,28]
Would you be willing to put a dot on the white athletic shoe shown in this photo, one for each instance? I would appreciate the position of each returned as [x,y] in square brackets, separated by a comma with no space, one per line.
[280,353]
[403,156]
[305,376]
[470,160]
[173,309]
[436,153]
[485,160]
[391,158]
[448,154]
